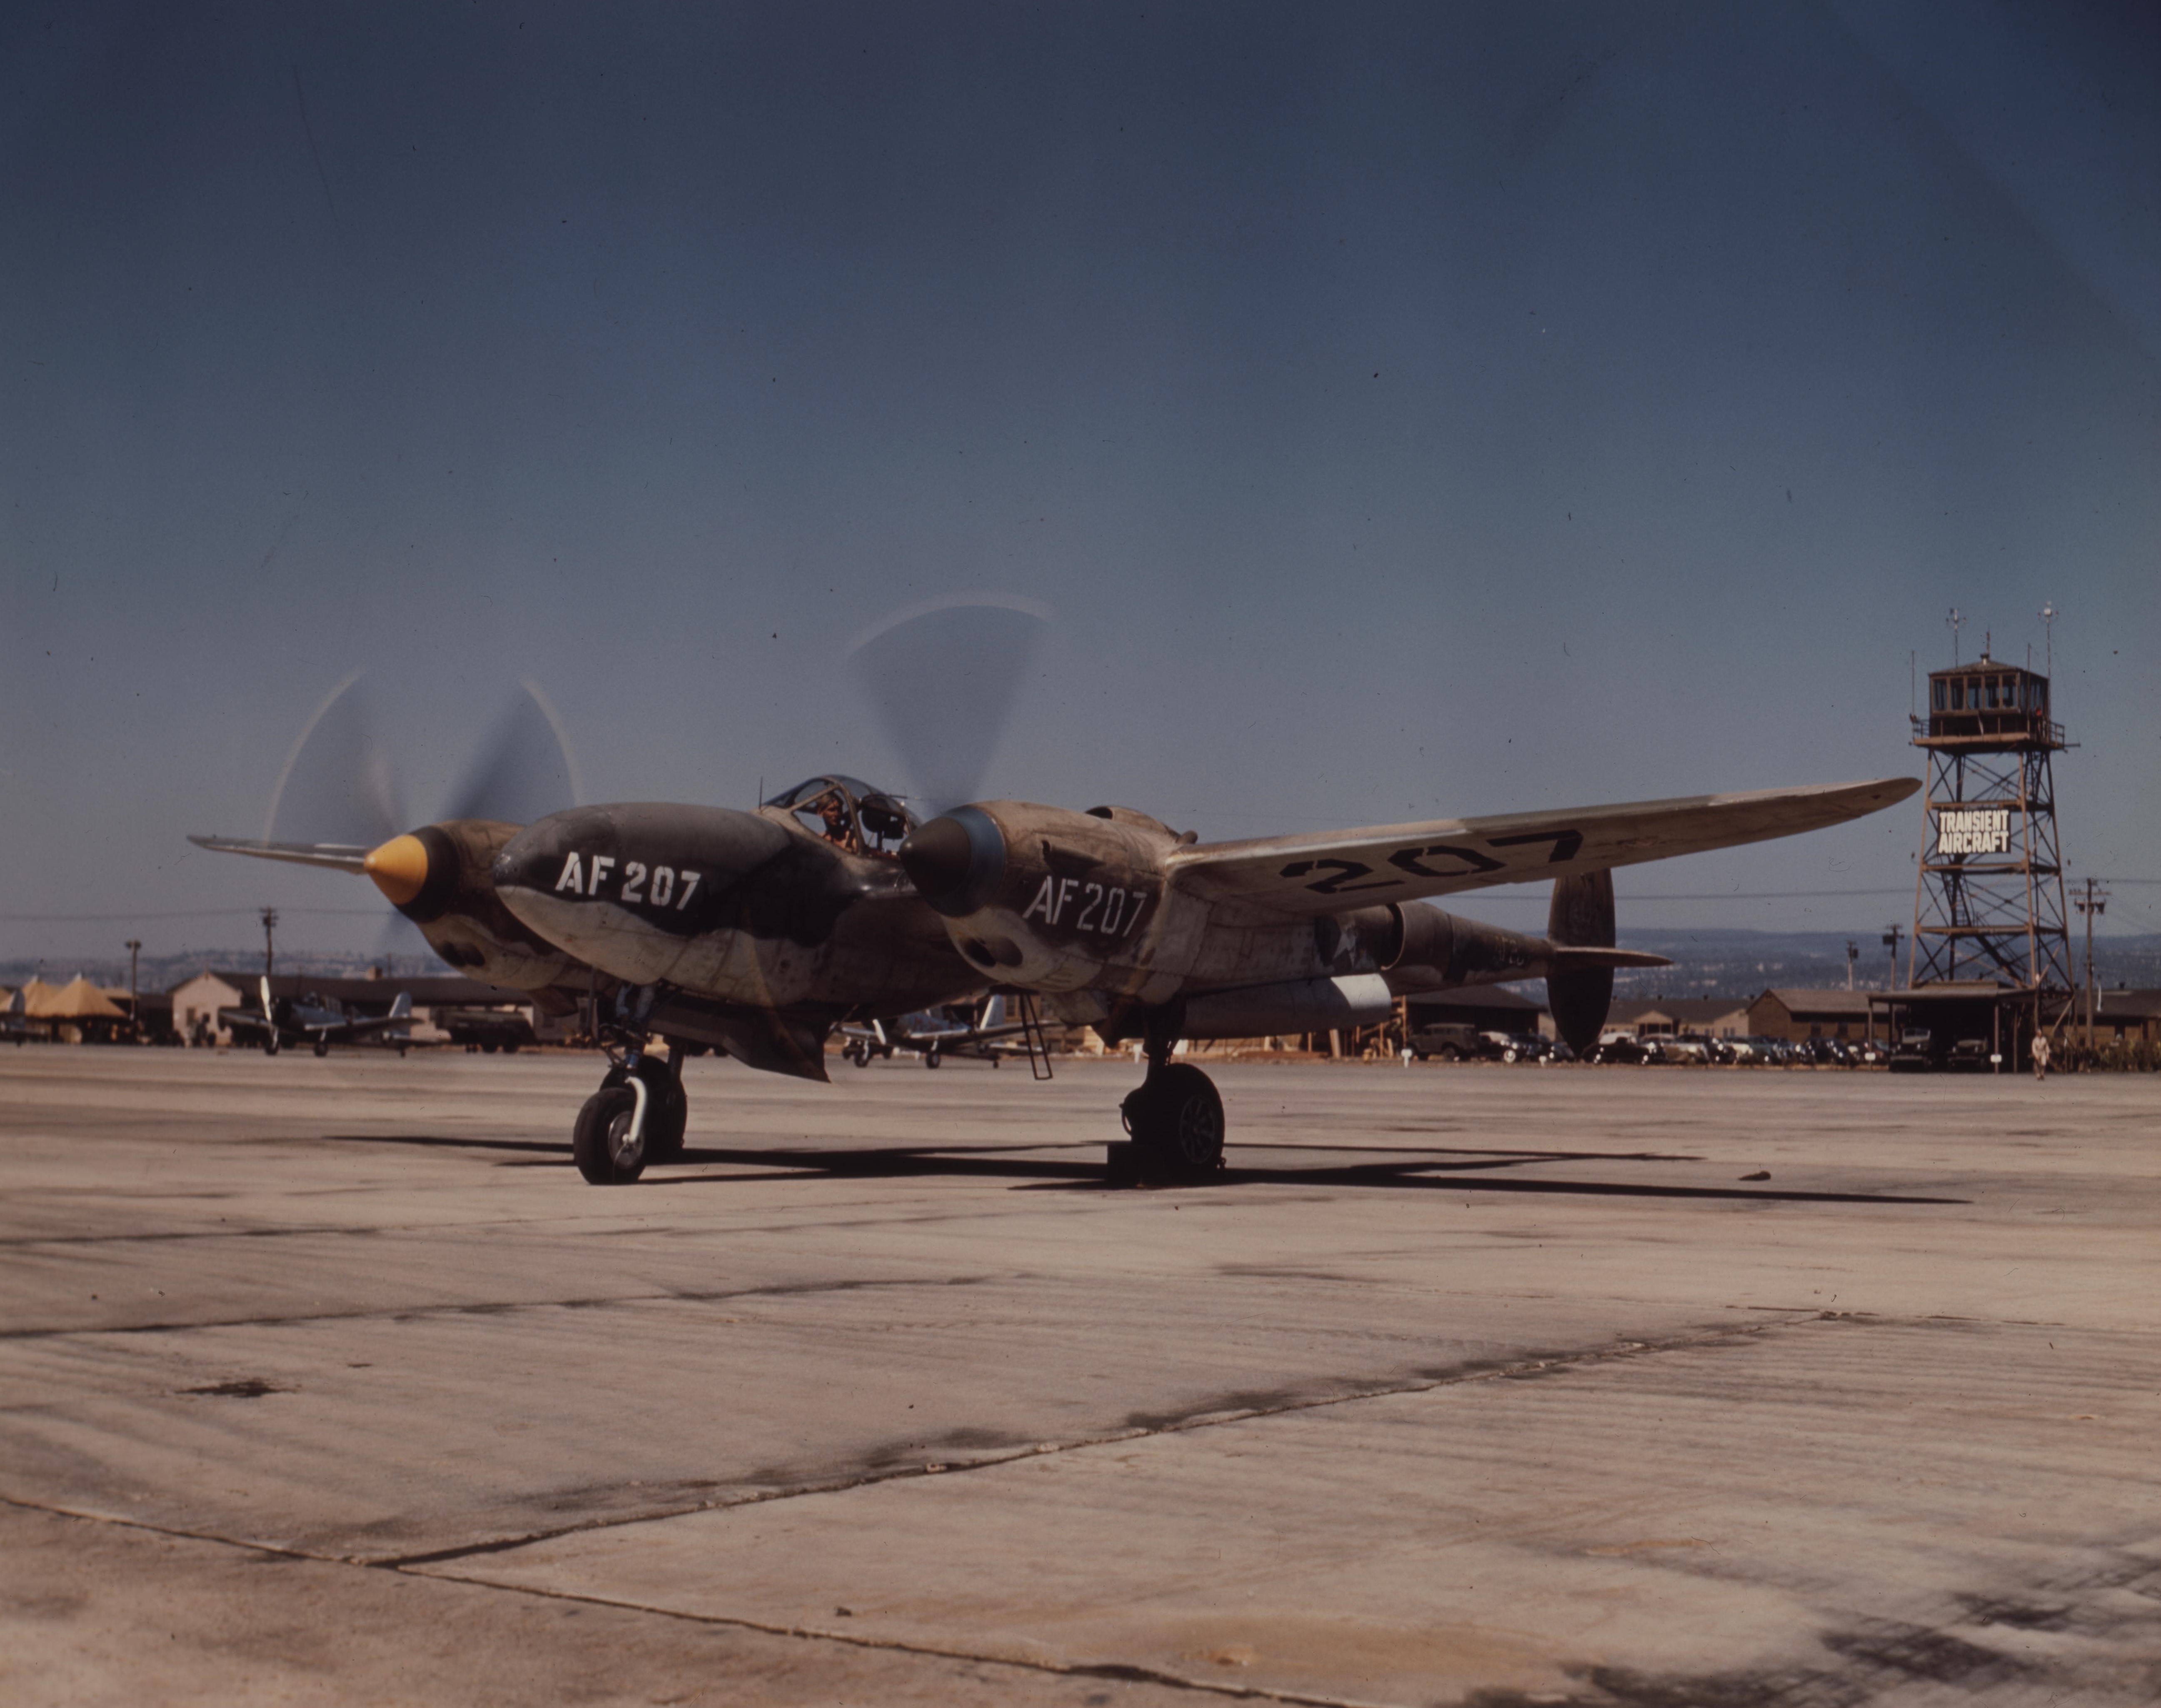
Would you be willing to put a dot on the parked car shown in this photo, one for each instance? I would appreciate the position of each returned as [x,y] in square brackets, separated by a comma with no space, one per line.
[1969,1055]
[1517,1046]
[1617,1047]
[1449,1040]
[1915,1052]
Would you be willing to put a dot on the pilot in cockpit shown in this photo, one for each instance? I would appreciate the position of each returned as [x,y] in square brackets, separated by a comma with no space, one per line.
[851,816]
[837,824]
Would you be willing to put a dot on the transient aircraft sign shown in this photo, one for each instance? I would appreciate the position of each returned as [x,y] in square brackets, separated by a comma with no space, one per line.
[1973,830]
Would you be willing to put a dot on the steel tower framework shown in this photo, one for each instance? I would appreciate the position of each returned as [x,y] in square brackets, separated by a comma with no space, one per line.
[1989,900]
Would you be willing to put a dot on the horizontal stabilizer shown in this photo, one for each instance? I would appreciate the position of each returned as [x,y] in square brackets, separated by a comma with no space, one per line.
[1564,958]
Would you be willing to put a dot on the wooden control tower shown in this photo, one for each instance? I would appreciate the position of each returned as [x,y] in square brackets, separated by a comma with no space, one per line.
[1989,901]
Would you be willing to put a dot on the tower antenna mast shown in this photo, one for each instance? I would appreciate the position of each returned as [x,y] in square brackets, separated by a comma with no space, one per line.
[2049,614]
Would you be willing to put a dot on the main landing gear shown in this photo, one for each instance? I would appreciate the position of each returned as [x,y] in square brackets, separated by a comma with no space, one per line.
[638,1115]
[1176,1116]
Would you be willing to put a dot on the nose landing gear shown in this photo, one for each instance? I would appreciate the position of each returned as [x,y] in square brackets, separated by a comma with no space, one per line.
[611,1144]
[639,1113]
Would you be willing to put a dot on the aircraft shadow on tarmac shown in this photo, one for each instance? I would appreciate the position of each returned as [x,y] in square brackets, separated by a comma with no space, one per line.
[1431,1169]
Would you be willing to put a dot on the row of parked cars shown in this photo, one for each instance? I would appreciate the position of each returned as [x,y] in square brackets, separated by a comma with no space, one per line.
[1744,1052]
[1451,1042]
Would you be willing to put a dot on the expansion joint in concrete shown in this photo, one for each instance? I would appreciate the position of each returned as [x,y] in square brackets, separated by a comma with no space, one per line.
[1518,1370]
[1116,1671]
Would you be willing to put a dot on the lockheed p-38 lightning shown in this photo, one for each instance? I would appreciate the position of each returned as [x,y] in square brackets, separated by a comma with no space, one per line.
[758,932]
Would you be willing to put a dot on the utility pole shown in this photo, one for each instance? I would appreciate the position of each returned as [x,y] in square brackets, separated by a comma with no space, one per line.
[269,939]
[134,947]
[1891,942]
[1852,955]
[2091,903]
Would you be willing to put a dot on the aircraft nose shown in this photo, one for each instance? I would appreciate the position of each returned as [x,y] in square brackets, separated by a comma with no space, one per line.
[956,861]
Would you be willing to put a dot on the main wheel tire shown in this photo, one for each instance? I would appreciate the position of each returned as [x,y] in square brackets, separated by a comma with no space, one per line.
[270,1044]
[667,1109]
[322,1046]
[930,1058]
[1176,1118]
[600,1143]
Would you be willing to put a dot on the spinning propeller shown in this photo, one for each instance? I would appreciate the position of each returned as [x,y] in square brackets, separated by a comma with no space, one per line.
[337,804]
[942,677]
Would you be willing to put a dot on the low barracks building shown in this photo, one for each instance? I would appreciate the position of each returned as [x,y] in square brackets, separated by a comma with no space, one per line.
[1677,1016]
[1797,1014]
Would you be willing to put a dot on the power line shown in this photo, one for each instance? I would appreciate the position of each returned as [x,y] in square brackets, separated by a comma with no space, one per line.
[191,913]
[1722,895]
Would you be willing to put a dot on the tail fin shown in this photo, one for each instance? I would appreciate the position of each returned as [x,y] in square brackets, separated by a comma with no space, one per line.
[401,1009]
[1581,917]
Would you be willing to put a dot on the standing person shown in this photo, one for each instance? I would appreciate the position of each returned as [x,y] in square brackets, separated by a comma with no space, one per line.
[2040,1048]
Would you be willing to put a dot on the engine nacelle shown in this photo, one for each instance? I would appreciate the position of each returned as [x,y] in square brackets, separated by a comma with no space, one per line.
[1044,898]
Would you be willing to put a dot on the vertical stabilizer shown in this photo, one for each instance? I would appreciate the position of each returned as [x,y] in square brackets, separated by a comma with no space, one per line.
[1581,918]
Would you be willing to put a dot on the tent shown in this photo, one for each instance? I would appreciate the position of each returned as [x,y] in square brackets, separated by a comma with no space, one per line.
[78,999]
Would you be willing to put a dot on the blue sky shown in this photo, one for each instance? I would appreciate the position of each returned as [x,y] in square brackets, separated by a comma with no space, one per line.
[1402,412]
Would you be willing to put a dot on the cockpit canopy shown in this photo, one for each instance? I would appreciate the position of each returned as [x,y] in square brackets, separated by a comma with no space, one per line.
[848,812]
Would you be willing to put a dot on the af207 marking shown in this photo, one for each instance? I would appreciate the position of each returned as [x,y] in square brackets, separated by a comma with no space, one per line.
[1341,873]
[653,886]
[1107,910]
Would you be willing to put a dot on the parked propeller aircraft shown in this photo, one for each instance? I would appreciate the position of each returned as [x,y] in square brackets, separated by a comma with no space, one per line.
[982,1033]
[830,905]
[317,1021]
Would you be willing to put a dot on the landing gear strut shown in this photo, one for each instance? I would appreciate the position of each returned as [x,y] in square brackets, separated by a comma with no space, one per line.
[1175,1116]
[638,1115]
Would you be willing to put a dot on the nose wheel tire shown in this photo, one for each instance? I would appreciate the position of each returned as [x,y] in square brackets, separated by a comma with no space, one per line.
[1176,1121]
[667,1109]
[606,1153]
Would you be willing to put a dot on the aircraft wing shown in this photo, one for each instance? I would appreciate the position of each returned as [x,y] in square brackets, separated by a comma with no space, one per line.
[342,857]
[243,1020]
[1333,871]
[401,1011]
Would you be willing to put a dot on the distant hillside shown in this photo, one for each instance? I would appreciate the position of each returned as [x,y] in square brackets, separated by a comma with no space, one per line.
[1711,963]
[1736,963]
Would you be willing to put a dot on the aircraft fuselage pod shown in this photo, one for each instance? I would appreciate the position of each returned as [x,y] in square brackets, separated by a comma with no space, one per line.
[748,909]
